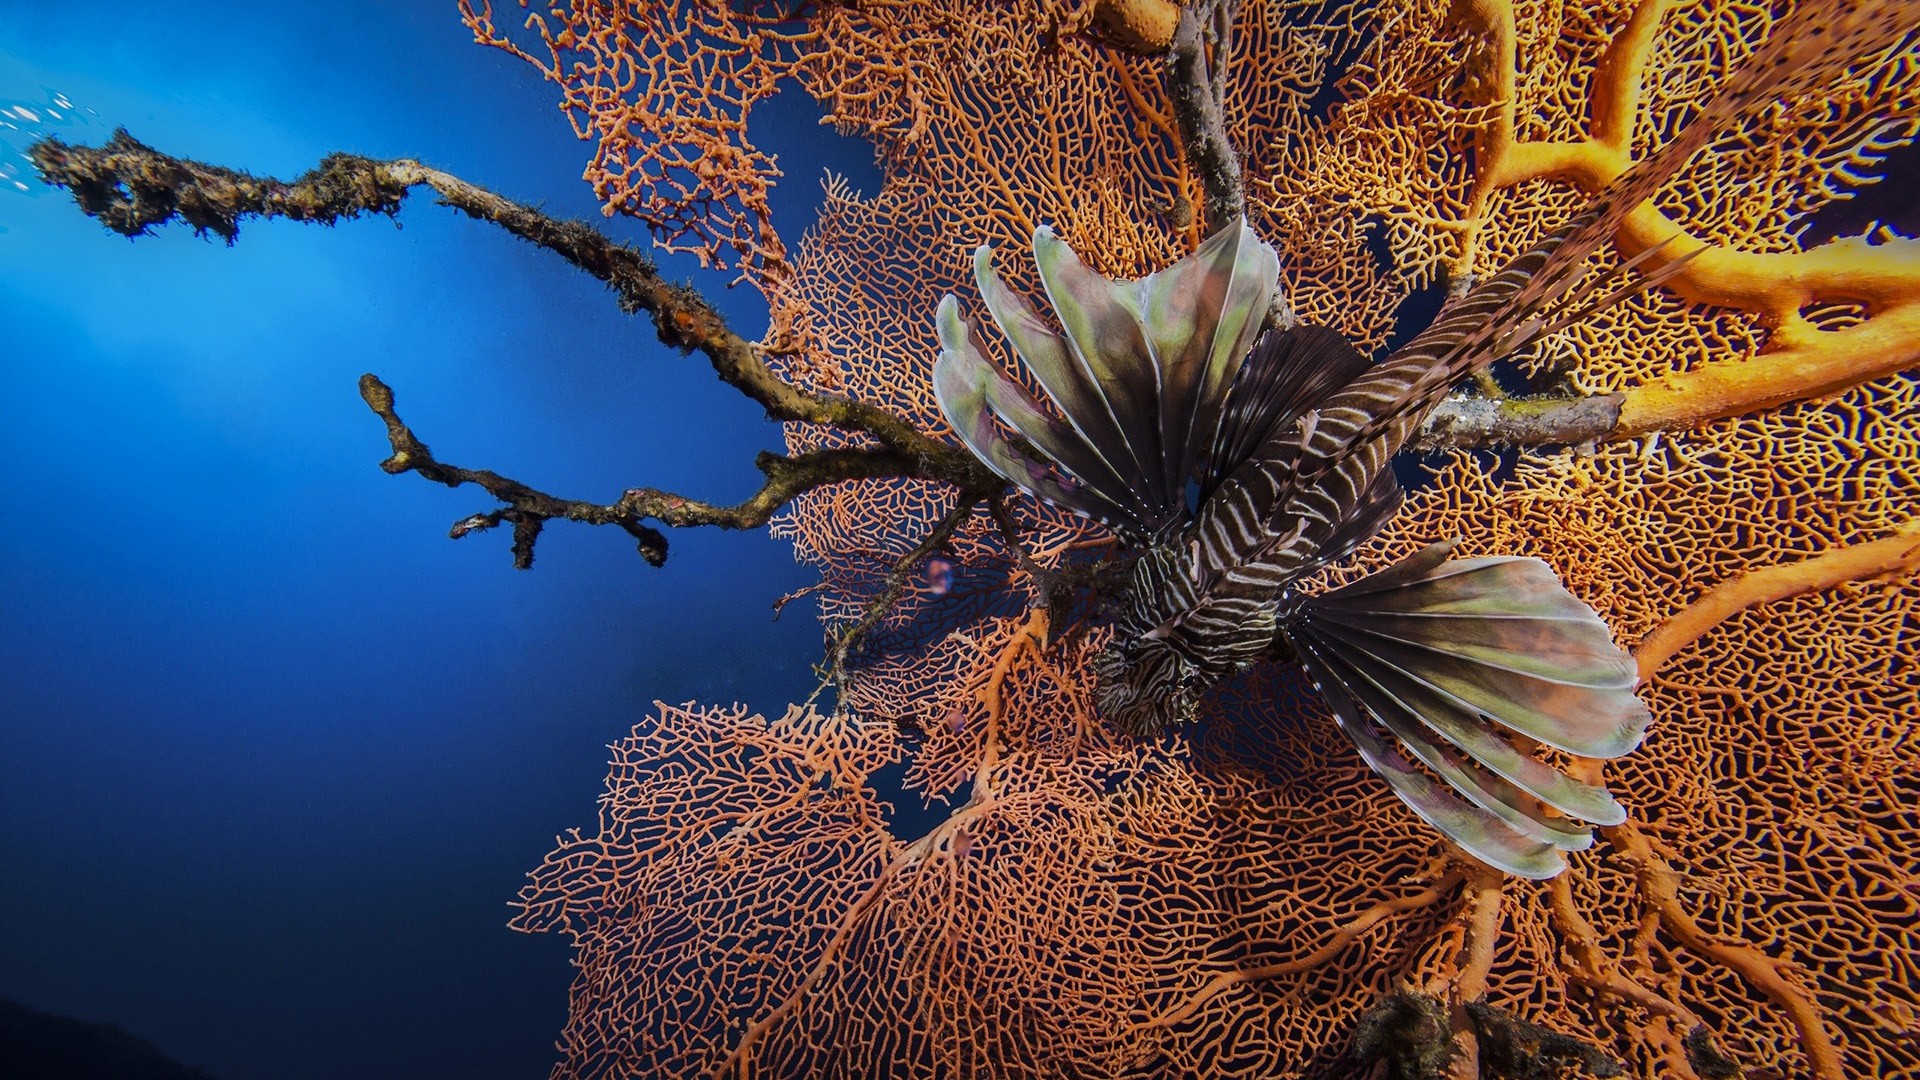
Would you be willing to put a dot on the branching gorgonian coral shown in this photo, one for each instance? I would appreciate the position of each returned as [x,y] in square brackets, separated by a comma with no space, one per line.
[1722,468]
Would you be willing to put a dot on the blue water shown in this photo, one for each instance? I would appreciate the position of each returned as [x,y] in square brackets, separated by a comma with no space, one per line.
[274,752]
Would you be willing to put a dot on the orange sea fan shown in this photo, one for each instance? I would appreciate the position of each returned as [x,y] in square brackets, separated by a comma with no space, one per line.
[1227,901]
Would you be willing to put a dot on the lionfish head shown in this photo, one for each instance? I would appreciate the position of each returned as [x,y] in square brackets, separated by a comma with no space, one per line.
[1142,686]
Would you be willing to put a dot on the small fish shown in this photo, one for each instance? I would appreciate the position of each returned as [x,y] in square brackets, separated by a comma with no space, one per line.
[956,720]
[939,576]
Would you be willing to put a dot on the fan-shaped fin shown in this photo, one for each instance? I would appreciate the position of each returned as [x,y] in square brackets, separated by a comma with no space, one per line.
[1483,835]
[1497,636]
[1113,348]
[1019,411]
[1491,793]
[1493,607]
[1201,315]
[1464,728]
[961,377]
[1287,373]
[1072,389]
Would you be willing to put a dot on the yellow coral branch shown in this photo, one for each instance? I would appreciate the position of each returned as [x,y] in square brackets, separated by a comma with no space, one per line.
[1857,562]
[1800,361]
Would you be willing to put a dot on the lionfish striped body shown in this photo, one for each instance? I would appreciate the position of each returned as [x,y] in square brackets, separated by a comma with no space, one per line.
[1160,384]
[1286,437]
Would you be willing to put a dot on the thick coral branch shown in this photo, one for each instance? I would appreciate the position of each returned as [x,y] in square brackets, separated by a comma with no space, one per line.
[529,510]
[1336,943]
[1896,554]
[1800,361]
[1470,422]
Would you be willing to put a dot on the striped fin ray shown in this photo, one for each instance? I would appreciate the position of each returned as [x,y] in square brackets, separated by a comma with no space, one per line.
[1065,380]
[1201,316]
[1439,651]
[1501,636]
[1288,372]
[1112,347]
[1487,837]
[1377,504]
[964,383]
[1140,373]
[960,345]
[1489,791]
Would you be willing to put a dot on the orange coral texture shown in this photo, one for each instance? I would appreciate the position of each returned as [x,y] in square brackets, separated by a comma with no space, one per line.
[1224,901]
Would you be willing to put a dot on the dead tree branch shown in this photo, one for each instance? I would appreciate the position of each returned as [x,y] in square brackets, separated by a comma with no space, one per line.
[131,188]
[1469,422]
[529,510]
[1196,81]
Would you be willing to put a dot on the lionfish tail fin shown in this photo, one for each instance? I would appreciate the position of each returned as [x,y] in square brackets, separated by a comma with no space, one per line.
[1446,656]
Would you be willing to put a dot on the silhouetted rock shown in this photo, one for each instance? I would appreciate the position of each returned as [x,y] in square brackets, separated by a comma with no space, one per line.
[39,1046]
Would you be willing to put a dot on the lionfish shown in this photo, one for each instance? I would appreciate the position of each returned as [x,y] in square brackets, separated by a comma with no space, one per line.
[1237,460]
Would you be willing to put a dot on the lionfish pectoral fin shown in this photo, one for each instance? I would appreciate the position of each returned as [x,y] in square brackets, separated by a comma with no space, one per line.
[1486,836]
[1113,350]
[963,385]
[1021,413]
[1443,653]
[1201,316]
[1496,635]
[1068,385]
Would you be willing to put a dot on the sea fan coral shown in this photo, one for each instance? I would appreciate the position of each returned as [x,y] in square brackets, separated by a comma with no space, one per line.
[1229,900]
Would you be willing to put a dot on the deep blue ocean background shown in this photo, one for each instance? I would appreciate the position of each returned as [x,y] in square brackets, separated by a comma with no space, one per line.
[274,752]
